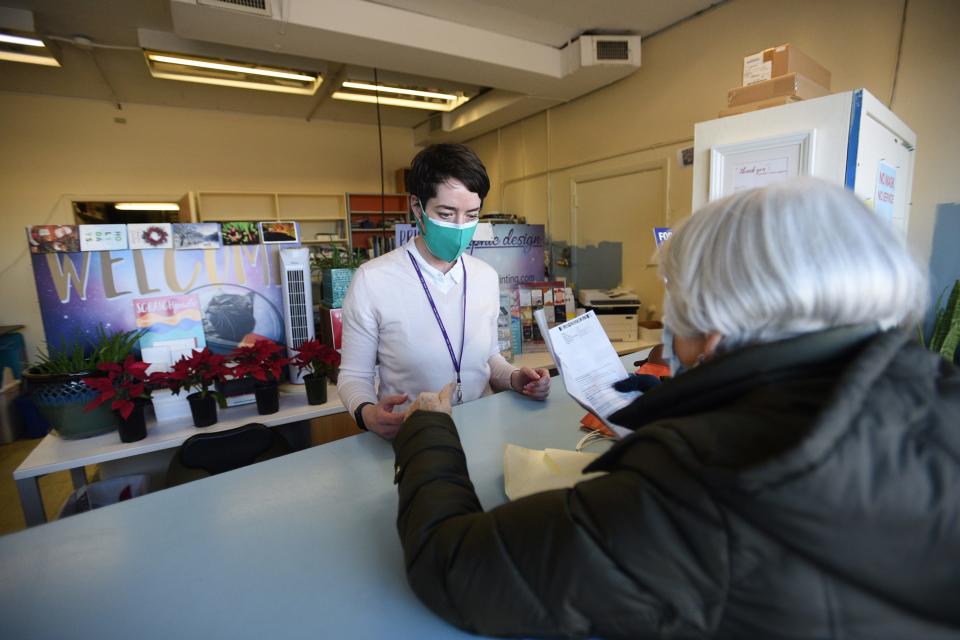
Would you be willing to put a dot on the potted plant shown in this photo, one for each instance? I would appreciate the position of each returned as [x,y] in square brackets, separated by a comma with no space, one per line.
[57,388]
[336,271]
[125,386]
[202,370]
[264,362]
[322,361]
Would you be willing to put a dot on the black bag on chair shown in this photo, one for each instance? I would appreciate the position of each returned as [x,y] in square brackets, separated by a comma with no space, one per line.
[207,454]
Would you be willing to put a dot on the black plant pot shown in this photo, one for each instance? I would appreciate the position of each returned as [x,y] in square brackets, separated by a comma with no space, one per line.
[268,398]
[203,409]
[316,385]
[134,426]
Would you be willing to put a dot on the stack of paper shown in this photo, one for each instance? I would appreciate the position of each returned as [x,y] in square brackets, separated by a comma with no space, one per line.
[588,365]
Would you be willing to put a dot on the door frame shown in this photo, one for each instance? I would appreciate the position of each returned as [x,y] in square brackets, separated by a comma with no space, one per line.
[662,164]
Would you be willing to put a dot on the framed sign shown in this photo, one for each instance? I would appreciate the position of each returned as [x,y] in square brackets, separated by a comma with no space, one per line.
[757,163]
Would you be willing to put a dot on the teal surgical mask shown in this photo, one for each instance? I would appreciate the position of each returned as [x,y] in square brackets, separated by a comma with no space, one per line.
[446,240]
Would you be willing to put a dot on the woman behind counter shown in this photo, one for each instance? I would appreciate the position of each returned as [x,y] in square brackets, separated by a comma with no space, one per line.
[798,480]
[426,312]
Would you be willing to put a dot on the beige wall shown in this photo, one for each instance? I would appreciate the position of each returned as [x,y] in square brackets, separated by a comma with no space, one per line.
[55,150]
[684,79]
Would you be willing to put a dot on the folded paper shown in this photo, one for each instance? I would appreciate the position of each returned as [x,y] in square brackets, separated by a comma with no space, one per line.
[528,471]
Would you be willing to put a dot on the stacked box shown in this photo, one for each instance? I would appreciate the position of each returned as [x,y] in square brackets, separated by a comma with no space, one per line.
[777,76]
[779,61]
[792,85]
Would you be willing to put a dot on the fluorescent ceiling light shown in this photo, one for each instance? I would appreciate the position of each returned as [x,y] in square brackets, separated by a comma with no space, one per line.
[230,73]
[27,42]
[393,102]
[238,68]
[418,99]
[400,90]
[146,206]
[24,48]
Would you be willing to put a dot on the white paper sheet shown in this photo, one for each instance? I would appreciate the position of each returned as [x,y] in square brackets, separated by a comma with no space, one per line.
[588,364]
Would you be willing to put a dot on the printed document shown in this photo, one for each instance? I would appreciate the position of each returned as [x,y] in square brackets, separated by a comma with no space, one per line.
[588,364]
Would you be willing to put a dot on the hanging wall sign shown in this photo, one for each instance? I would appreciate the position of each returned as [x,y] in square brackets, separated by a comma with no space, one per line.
[103,237]
[49,238]
[196,235]
[660,235]
[154,235]
[515,251]
[237,288]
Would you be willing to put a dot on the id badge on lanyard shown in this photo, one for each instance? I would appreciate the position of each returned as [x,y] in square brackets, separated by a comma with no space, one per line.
[457,362]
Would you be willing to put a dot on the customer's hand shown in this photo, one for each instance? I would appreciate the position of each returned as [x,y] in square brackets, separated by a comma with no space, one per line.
[380,417]
[429,401]
[534,383]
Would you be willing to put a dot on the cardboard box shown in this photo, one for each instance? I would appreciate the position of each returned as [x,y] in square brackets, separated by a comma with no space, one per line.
[790,85]
[779,61]
[760,104]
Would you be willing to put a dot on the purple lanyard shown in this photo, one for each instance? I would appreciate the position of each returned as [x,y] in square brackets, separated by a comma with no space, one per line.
[456,362]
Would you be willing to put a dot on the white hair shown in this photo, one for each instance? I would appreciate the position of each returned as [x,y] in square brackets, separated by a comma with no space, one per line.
[795,257]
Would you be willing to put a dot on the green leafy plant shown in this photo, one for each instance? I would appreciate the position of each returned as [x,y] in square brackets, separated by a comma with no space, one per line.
[338,260]
[84,355]
[945,338]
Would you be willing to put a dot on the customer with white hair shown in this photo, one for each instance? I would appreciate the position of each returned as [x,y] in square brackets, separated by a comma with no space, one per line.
[796,479]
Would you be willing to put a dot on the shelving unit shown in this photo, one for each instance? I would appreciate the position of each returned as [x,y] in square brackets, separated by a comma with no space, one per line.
[317,213]
[366,221]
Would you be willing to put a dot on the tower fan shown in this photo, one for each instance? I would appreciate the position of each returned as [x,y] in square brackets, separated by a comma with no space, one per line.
[297,302]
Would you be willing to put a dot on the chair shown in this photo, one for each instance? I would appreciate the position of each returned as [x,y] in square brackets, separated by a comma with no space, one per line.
[207,454]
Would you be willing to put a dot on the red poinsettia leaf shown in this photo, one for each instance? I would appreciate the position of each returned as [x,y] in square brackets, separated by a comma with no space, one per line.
[111,367]
[138,370]
[123,407]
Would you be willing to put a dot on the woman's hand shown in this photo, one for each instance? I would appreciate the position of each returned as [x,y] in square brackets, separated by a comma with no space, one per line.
[533,383]
[429,401]
[380,417]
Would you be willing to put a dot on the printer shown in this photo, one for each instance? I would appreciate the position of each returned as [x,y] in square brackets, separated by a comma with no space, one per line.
[616,309]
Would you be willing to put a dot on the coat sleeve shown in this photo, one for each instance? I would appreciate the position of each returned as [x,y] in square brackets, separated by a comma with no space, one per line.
[620,555]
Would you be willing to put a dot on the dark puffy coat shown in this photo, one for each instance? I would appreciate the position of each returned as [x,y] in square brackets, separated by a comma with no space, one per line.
[808,488]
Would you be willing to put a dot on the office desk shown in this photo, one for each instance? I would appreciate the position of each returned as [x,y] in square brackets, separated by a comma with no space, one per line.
[303,546]
[56,454]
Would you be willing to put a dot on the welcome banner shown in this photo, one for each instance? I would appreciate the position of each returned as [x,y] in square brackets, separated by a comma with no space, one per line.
[238,288]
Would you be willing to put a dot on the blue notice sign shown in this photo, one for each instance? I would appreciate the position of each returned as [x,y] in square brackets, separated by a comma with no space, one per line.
[660,234]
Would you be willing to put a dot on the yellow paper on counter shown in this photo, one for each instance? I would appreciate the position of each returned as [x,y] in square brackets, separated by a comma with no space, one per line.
[527,471]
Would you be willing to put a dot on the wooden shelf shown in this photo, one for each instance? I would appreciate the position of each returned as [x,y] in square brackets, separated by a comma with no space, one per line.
[367,206]
[226,206]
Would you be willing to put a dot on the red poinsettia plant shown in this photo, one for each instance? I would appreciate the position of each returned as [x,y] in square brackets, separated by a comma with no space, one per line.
[200,371]
[264,361]
[318,358]
[123,383]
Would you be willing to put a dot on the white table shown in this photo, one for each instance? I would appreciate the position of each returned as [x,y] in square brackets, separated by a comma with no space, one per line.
[56,454]
[302,546]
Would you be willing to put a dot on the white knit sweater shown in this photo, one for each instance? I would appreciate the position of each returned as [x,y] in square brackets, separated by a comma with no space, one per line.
[387,320]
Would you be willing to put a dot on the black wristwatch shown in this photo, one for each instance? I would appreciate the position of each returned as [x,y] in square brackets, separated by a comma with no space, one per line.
[358,415]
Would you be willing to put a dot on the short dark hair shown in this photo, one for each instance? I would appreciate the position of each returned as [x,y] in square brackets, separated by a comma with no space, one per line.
[438,163]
